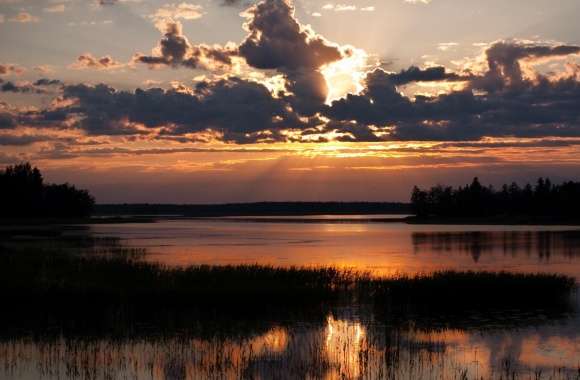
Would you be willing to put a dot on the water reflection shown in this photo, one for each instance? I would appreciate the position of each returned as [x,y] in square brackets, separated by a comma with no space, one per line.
[540,244]
[384,249]
[338,349]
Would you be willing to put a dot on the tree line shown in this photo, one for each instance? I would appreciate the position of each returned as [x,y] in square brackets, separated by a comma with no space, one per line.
[23,194]
[476,200]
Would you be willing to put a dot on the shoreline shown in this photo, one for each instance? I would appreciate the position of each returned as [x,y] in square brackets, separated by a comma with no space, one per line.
[295,219]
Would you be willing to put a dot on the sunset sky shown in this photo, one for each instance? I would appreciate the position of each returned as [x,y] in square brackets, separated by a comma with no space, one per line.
[227,100]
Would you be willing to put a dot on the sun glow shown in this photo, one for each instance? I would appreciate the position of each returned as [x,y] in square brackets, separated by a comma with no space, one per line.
[347,75]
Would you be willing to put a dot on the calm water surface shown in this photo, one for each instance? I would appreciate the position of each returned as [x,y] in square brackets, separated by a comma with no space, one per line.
[347,343]
[383,248]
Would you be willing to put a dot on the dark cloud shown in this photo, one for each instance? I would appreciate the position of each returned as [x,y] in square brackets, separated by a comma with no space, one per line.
[7,120]
[48,82]
[232,3]
[309,90]
[430,74]
[240,110]
[175,50]
[21,140]
[20,88]
[504,62]
[514,106]
[500,102]
[277,41]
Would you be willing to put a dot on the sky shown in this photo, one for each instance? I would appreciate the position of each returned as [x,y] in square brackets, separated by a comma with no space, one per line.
[211,101]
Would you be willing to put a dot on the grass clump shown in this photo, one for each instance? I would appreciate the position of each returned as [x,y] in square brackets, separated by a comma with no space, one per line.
[460,298]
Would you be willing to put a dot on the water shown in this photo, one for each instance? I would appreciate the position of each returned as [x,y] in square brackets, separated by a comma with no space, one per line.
[347,343]
[383,248]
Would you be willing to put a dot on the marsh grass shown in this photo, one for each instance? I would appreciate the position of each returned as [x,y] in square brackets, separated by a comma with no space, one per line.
[463,291]
[110,285]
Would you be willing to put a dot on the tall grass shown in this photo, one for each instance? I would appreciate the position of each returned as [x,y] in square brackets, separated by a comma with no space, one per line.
[452,290]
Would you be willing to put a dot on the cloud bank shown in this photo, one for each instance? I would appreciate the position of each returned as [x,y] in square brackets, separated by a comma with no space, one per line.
[507,98]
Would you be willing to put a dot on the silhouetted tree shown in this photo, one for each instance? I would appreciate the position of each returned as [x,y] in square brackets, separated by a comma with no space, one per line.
[24,194]
[476,200]
[419,202]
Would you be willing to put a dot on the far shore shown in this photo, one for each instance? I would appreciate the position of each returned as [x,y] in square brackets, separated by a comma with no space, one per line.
[324,218]
[13,222]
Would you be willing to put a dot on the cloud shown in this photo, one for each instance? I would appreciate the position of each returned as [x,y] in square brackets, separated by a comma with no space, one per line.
[235,109]
[513,105]
[20,140]
[11,69]
[7,121]
[446,46]
[339,7]
[171,12]
[273,32]
[105,3]
[506,98]
[430,74]
[43,69]
[231,3]
[48,82]
[175,50]
[504,62]
[346,8]
[20,88]
[88,61]
[24,17]
[55,8]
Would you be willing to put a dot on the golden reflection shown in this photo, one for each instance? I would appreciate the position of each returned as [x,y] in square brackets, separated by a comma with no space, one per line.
[344,342]
[551,352]
[340,349]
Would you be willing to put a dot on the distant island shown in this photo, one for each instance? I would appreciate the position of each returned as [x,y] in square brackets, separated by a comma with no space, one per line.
[543,203]
[255,209]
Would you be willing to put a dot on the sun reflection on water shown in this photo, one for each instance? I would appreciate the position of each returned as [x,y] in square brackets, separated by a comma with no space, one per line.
[343,345]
